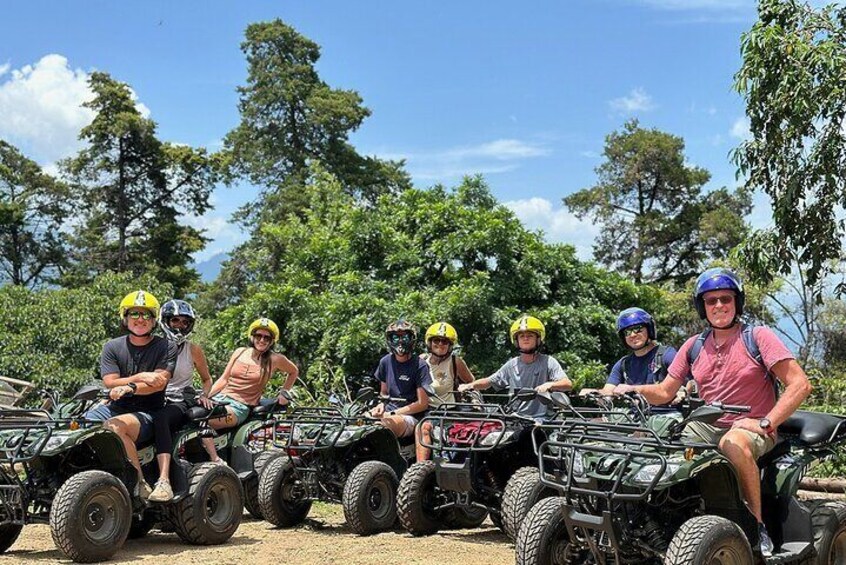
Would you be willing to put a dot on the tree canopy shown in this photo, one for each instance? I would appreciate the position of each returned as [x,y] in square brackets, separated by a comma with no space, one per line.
[657,224]
[794,61]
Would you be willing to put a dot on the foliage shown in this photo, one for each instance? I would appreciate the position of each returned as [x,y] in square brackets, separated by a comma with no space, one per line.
[53,337]
[33,206]
[334,278]
[794,61]
[133,193]
[656,224]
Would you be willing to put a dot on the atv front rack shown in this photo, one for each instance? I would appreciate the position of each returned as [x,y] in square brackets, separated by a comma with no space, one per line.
[307,429]
[479,421]
[598,459]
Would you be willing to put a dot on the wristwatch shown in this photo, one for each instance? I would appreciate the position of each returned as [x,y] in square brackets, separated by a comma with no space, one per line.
[133,386]
[765,424]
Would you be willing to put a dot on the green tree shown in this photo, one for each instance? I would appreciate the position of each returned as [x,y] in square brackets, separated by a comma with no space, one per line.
[794,61]
[33,206]
[335,276]
[133,192]
[290,117]
[53,337]
[656,223]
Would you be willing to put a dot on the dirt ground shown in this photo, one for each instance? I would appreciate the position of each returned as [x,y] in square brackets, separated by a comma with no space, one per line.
[322,539]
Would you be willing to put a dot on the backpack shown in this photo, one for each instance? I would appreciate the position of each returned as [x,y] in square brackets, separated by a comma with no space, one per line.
[660,368]
[748,338]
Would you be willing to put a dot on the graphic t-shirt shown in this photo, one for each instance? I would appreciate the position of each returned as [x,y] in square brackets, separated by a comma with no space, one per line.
[403,379]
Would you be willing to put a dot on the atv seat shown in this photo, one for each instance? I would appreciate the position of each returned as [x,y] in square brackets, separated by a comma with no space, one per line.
[782,447]
[814,428]
[266,406]
[201,413]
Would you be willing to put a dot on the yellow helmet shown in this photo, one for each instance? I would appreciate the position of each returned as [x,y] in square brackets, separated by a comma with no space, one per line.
[139,299]
[442,329]
[527,324]
[267,324]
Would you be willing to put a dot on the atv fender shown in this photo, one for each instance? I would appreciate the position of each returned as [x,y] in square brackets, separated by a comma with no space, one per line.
[384,445]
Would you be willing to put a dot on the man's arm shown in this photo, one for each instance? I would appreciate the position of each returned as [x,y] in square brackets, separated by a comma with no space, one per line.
[657,394]
[419,405]
[796,390]
[479,384]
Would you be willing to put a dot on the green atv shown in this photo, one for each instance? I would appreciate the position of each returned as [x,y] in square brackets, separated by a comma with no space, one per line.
[336,454]
[483,462]
[634,491]
[73,474]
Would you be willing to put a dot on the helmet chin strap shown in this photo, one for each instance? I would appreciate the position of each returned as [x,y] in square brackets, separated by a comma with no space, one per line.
[731,325]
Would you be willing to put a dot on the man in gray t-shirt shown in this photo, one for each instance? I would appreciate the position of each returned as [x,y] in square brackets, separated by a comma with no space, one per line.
[531,369]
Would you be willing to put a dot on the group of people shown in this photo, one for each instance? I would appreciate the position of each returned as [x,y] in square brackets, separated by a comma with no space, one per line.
[729,362]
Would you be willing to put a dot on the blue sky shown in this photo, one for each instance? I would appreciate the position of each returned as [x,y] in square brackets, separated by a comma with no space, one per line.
[523,93]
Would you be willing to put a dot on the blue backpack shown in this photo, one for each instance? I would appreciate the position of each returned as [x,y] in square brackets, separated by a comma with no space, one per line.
[748,338]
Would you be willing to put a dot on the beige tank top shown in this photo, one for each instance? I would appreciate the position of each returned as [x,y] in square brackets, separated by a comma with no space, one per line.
[245,383]
[443,381]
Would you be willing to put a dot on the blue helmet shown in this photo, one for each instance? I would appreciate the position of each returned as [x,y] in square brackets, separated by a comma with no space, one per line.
[718,279]
[636,317]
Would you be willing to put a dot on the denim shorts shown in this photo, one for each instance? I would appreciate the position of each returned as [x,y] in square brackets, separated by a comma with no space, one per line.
[241,410]
[103,412]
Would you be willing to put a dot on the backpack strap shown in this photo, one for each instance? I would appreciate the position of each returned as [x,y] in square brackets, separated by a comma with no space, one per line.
[747,334]
[454,373]
[660,367]
[624,368]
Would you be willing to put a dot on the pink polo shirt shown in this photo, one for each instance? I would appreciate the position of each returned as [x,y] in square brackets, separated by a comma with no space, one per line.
[728,374]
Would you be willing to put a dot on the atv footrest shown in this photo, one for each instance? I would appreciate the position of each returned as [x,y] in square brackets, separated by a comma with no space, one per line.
[791,553]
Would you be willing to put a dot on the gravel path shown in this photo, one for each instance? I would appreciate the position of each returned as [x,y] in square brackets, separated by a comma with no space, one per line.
[323,538]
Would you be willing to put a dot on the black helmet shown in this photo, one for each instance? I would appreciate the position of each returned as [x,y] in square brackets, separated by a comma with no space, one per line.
[173,308]
[400,337]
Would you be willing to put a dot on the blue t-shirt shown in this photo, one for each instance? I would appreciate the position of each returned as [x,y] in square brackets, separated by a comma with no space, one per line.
[403,379]
[641,370]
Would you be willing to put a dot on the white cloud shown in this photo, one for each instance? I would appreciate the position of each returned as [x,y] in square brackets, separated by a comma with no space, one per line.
[638,100]
[41,107]
[740,128]
[498,156]
[224,235]
[558,224]
[589,154]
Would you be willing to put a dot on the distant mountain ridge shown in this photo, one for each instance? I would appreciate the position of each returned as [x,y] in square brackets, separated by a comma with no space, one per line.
[210,268]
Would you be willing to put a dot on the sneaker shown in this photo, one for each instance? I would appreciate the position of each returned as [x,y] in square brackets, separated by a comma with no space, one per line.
[765,541]
[143,490]
[162,492]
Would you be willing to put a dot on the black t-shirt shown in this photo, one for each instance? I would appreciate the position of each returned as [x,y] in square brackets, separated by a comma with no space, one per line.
[121,357]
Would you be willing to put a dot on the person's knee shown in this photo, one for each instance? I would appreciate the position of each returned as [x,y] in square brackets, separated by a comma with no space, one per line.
[117,426]
[737,448]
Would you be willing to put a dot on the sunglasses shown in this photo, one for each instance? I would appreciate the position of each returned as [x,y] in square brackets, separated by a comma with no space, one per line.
[400,338]
[724,300]
[179,322]
[263,337]
[146,316]
[628,332]
[440,341]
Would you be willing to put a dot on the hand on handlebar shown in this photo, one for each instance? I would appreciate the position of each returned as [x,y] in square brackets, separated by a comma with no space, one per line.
[620,390]
[465,387]
[378,411]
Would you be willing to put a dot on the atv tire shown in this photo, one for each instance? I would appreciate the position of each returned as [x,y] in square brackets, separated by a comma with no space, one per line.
[542,539]
[828,521]
[277,500]
[213,508]
[370,498]
[251,502]
[416,500]
[459,518]
[90,516]
[709,539]
[523,490]
[9,535]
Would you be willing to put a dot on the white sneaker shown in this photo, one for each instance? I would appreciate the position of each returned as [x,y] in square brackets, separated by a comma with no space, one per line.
[162,492]
[143,490]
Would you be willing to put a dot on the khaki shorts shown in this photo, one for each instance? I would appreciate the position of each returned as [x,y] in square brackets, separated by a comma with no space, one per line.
[697,431]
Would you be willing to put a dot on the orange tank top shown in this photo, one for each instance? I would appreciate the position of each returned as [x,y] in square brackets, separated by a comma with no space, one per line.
[245,383]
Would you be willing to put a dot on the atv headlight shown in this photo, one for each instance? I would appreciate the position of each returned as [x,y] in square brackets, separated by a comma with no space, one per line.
[437,436]
[646,474]
[340,437]
[494,437]
[54,442]
[578,465]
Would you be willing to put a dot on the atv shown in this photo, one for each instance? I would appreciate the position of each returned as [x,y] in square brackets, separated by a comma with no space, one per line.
[58,468]
[337,454]
[639,492]
[483,462]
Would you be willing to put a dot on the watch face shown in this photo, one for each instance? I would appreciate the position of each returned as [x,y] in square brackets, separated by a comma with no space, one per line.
[764,423]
